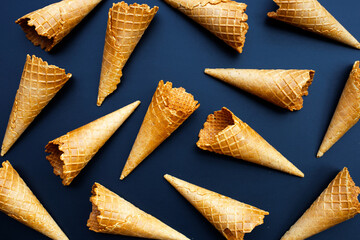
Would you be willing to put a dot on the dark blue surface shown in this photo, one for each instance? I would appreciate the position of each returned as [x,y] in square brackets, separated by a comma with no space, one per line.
[176,49]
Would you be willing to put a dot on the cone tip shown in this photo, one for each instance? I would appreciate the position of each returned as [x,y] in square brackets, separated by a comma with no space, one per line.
[319,154]
[100,100]
[167,177]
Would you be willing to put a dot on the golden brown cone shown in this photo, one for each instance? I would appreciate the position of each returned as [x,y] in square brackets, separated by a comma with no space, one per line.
[38,85]
[49,25]
[230,217]
[347,112]
[224,133]
[17,201]
[125,27]
[310,15]
[70,153]
[114,215]
[168,109]
[284,88]
[336,204]
[226,19]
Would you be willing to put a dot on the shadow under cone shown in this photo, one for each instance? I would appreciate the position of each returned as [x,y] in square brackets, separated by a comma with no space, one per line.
[230,217]
[114,215]
[310,15]
[224,133]
[336,204]
[18,202]
[38,85]
[283,88]
[224,18]
[168,109]
[70,153]
[49,25]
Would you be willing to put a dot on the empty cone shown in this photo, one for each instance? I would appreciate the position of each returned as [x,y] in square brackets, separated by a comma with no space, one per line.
[226,19]
[49,25]
[336,204]
[224,133]
[168,109]
[347,112]
[18,202]
[70,153]
[38,85]
[125,27]
[114,215]
[310,15]
[230,217]
[284,88]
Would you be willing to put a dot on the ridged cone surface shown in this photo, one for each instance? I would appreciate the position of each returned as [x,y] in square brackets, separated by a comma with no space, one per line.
[70,153]
[336,204]
[224,18]
[224,133]
[347,112]
[18,202]
[283,88]
[38,85]
[49,25]
[114,215]
[310,15]
[168,109]
[125,27]
[230,217]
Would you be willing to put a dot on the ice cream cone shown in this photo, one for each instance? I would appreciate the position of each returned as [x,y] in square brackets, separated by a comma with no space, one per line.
[70,153]
[230,217]
[310,15]
[224,133]
[336,204]
[168,109]
[125,27]
[18,202]
[49,25]
[347,112]
[39,84]
[226,19]
[114,215]
[284,88]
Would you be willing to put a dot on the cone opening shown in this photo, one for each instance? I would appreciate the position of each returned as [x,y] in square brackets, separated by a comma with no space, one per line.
[55,158]
[93,222]
[34,36]
[298,103]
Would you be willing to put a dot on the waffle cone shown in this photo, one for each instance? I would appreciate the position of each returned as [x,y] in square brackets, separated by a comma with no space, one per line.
[49,25]
[38,85]
[230,217]
[114,215]
[125,27]
[310,15]
[168,109]
[347,112]
[70,153]
[224,133]
[18,202]
[336,204]
[226,19]
[283,88]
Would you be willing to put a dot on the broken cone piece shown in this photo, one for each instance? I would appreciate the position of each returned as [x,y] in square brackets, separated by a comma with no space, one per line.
[224,133]
[38,85]
[70,153]
[230,217]
[336,204]
[114,215]
[347,112]
[49,25]
[125,27]
[224,18]
[310,15]
[168,109]
[284,88]
[18,201]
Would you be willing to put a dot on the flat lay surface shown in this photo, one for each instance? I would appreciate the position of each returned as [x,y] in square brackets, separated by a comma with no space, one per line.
[176,49]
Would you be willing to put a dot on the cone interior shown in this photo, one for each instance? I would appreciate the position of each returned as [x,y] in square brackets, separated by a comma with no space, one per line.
[55,158]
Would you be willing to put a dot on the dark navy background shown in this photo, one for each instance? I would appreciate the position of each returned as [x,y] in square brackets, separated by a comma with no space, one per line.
[175,49]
